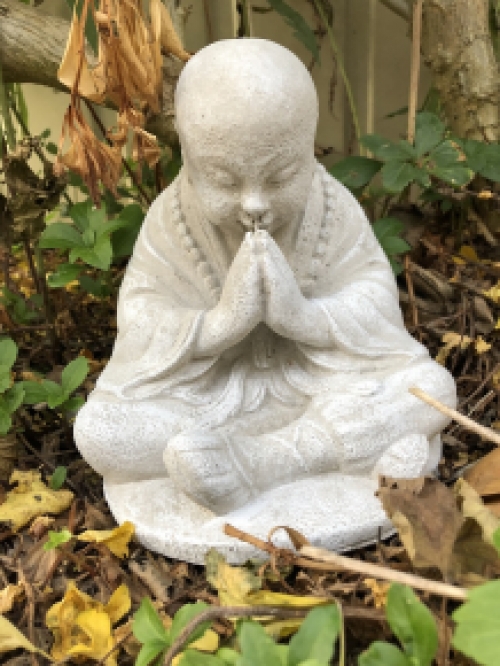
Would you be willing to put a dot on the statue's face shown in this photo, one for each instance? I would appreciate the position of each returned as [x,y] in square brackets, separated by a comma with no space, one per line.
[246,179]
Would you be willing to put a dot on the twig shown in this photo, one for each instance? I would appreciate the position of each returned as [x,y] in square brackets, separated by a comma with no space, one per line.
[415,69]
[208,21]
[309,557]
[116,646]
[127,167]
[481,386]
[469,424]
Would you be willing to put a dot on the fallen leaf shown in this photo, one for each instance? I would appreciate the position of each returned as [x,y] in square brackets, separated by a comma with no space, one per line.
[494,293]
[484,477]
[12,639]
[40,526]
[31,498]
[481,345]
[468,252]
[451,341]
[8,596]
[116,540]
[428,534]
[83,626]
[379,590]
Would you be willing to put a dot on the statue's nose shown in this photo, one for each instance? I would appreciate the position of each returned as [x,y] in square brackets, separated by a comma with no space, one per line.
[254,204]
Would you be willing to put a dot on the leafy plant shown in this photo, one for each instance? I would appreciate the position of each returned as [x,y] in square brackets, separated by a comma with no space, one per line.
[58,478]
[11,394]
[296,21]
[59,395]
[21,310]
[412,623]
[155,638]
[387,230]
[57,539]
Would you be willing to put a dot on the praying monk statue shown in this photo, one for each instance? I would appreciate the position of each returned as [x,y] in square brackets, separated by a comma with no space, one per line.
[261,371]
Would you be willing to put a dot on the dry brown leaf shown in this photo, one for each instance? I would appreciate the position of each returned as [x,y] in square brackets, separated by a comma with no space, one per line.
[155,577]
[170,41]
[8,596]
[428,534]
[40,526]
[484,477]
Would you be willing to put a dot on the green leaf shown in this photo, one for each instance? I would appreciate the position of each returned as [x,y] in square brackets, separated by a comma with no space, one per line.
[5,421]
[148,627]
[34,392]
[296,21]
[72,404]
[496,539]
[429,132]
[58,477]
[97,288]
[13,398]
[80,214]
[124,239]
[386,150]
[256,646]
[476,153]
[149,652]
[5,378]
[491,167]
[89,237]
[397,175]
[110,227]
[63,274]
[183,616]
[60,235]
[355,172]
[54,394]
[316,637]
[228,656]
[387,226]
[51,148]
[74,374]
[457,175]
[444,156]
[8,352]
[56,539]
[195,658]
[395,245]
[99,255]
[412,623]
[383,654]
[477,634]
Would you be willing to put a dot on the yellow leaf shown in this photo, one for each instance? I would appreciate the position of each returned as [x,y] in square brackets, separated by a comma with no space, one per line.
[494,294]
[8,596]
[481,345]
[96,628]
[209,642]
[458,260]
[82,625]
[266,598]
[468,252]
[116,540]
[451,341]
[379,590]
[232,583]
[31,498]
[484,194]
[497,327]
[12,639]
[473,507]
[119,604]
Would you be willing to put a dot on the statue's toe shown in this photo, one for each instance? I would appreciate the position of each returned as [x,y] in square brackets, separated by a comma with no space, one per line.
[405,459]
[199,464]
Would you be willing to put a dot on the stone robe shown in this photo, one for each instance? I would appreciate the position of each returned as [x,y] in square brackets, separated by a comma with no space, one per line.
[154,387]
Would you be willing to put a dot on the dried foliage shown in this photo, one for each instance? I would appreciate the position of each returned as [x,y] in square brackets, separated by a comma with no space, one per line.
[128,74]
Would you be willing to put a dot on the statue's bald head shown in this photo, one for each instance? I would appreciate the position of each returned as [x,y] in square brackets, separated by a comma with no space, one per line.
[245,85]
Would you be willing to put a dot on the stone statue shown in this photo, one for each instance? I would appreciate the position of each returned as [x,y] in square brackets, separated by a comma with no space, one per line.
[260,375]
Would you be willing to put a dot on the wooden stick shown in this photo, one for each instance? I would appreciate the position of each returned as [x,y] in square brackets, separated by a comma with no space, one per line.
[309,557]
[415,69]
[465,421]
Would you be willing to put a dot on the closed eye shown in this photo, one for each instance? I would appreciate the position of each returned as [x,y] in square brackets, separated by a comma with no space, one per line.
[283,175]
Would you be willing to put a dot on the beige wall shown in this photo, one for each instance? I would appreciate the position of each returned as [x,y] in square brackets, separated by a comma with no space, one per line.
[374,42]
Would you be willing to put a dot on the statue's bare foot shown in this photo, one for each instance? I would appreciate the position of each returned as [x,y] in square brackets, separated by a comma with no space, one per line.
[201,465]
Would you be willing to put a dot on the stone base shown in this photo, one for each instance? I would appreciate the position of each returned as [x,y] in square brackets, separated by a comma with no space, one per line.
[332,511]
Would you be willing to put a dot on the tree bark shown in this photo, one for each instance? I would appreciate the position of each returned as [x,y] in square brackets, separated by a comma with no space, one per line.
[457,46]
[32,46]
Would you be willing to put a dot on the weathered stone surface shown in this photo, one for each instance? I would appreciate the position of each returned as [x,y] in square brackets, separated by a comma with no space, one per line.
[260,375]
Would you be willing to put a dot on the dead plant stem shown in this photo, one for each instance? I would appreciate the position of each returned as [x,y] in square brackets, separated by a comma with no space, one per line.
[415,69]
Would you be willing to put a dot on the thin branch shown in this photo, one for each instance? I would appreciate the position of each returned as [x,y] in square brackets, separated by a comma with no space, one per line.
[465,421]
[309,557]
[399,7]
[415,68]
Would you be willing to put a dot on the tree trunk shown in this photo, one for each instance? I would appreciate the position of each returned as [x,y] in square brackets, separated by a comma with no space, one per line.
[32,45]
[457,47]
